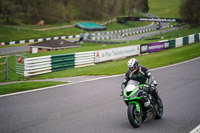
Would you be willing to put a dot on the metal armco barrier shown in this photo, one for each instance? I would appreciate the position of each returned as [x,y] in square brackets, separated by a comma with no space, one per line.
[197,37]
[172,43]
[62,62]
[47,64]
[84,59]
[37,65]
[185,40]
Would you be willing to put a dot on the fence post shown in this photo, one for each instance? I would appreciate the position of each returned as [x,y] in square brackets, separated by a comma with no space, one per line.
[6,68]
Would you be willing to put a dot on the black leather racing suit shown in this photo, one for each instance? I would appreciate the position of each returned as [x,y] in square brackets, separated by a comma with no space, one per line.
[143,76]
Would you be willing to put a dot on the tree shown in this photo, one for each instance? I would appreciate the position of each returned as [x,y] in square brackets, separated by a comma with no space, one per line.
[55,11]
[190,11]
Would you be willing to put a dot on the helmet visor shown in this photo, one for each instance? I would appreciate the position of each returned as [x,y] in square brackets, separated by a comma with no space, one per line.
[133,68]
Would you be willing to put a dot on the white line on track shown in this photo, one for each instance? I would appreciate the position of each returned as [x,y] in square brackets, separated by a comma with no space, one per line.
[45,88]
[196,130]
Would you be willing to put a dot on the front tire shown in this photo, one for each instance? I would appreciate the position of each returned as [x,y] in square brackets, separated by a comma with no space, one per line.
[134,117]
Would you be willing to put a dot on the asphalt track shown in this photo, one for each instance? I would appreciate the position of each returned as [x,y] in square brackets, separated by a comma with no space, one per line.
[96,107]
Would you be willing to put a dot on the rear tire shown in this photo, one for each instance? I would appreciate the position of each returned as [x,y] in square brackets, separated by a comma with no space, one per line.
[134,117]
[160,109]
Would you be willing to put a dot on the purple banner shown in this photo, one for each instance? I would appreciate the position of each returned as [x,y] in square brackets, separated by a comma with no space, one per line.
[156,46]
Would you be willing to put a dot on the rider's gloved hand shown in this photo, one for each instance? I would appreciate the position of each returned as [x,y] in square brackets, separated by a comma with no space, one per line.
[155,83]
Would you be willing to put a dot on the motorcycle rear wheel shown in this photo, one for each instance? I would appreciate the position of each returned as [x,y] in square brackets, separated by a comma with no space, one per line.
[135,118]
[160,109]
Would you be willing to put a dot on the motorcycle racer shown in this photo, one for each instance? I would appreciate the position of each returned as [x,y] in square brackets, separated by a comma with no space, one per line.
[142,75]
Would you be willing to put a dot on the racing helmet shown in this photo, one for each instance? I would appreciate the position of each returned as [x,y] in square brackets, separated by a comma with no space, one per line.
[133,65]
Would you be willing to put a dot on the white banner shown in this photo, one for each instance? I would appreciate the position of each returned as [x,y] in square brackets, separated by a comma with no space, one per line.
[116,53]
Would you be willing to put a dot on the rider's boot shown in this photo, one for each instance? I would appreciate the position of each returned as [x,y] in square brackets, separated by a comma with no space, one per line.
[154,93]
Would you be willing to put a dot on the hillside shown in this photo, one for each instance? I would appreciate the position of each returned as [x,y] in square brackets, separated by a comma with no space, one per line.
[164,8]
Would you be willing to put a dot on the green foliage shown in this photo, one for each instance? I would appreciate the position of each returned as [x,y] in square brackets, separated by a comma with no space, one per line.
[56,11]
[190,11]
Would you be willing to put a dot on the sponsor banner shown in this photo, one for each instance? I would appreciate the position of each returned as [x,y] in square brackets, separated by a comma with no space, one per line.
[154,47]
[116,53]
[150,19]
[143,48]
[165,43]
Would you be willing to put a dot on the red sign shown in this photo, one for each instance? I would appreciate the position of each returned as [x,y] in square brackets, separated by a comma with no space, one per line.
[132,19]
[19,59]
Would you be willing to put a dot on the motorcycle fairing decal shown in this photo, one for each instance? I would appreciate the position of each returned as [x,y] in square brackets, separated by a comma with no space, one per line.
[132,99]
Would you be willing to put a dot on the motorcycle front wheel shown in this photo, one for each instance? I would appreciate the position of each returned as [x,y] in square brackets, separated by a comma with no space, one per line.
[135,118]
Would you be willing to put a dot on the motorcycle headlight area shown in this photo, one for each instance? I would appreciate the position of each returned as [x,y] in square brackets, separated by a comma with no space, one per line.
[136,94]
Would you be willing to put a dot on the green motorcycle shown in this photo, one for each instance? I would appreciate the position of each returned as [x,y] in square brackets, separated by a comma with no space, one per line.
[141,105]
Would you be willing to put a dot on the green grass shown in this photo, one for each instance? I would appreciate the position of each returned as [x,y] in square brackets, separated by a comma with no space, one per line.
[164,8]
[14,34]
[117,26]
[16,87]
[176,33]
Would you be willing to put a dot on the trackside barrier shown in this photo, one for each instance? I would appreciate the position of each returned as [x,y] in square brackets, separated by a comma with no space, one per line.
[84,59]
[62,62]
[39,40]
[122,33]
[37,65]
[47,64]
[185,40]
[165,44]
[179,42]
[191,39]
[197,37]
[19,64]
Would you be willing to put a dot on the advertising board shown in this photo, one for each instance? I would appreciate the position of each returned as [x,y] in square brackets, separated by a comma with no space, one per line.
[116,53]
[154,47]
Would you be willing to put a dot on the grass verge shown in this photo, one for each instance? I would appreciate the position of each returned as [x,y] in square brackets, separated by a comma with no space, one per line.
[16,87]
[176,33]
